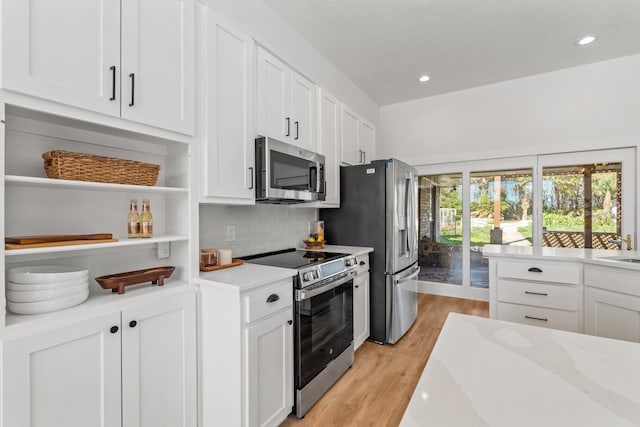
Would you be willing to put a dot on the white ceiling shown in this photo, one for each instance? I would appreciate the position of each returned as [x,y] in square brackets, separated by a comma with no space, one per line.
[385,45]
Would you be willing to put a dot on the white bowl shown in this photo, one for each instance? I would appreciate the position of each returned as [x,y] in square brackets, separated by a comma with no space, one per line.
[46,295]
[47,306]
[47,286]
[36,274]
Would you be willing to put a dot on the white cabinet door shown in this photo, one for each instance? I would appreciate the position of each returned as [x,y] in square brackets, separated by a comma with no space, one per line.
[611,314]
[360,309]
[68,376]
[274,117]
[63,51]
[159,364]
[350,153]
[228,70]
[269,370]
[158,63]
[367,141]
[329,138]
[303,112]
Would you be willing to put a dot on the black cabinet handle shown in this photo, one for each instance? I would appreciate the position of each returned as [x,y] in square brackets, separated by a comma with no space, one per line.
[536,293]
[133,324]
[114,329]
[290,322]
[251,187]
[288,126]
[113,83]
[535,270]
[355,286]
[362,263]
[297,130]
[273,298]
[133,89]
[536,318]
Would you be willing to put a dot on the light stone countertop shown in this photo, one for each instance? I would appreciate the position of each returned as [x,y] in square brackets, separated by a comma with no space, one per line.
[245,277]
[609,258]
[485,372]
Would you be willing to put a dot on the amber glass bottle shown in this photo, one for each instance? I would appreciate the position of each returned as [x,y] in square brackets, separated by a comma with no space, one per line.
[133,221]
[146,220]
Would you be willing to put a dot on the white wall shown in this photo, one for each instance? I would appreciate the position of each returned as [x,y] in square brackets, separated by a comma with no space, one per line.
[260,22]
[581,108]
[260,228]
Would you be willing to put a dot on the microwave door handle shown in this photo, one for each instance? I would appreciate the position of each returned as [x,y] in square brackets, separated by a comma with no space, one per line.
[313,177]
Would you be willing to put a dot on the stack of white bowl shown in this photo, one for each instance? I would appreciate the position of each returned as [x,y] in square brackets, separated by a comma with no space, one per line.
[45,288]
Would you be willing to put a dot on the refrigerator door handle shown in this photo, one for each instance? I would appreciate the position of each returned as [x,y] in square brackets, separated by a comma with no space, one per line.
[407,230]
[409,277]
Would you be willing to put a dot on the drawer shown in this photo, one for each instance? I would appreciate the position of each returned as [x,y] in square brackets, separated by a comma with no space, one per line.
[268,299]
[542,271]
[564,297]
[613,279]
[538,316]
[363,263]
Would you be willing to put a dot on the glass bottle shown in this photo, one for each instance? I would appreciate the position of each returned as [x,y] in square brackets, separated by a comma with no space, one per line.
[133,221]
[146,220]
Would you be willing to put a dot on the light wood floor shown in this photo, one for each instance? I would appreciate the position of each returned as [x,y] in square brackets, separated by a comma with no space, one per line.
[378,387]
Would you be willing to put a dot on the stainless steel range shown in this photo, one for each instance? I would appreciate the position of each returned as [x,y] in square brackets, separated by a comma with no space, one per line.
[323,316]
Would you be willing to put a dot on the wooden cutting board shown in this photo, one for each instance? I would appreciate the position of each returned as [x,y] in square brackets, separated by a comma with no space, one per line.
[62,243]
[27,240]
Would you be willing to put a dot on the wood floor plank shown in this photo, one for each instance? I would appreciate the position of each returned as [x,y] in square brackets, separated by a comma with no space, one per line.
[378,387]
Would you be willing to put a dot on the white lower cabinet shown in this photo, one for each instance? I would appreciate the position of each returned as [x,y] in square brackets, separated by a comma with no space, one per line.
[534,292]
[611,314]
[612,303]
[247,354]
[269,362]
[130,368]
[361,329]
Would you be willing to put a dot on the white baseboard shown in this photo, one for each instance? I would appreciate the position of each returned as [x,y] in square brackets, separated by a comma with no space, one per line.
[456,291]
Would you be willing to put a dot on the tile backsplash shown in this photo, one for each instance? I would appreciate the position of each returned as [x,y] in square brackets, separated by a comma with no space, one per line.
[259,228]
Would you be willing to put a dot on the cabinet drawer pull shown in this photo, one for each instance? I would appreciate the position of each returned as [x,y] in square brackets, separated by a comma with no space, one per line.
[133,324]
[113,83]
[535,270]
[536,318]
[362,263]
[288,126]
[355,286]
[273,298]
[114,329]
[297,130]
[536,293]
[290,322]
[133,89]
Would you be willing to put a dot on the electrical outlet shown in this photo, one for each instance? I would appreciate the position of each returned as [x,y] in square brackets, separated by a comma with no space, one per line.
[164,249]
[231,233]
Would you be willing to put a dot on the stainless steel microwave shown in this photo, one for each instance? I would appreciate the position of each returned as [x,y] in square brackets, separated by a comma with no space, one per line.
[287,174]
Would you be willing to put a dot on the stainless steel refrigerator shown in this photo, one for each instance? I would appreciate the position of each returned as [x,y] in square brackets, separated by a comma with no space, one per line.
[379,209]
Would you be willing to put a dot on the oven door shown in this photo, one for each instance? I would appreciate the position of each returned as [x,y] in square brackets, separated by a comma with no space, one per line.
[324,327]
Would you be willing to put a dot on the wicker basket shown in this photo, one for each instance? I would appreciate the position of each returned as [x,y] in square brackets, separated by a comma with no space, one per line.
[86,167]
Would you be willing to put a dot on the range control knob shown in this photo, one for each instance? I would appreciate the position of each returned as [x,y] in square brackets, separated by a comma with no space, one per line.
[350,262]
[307,276]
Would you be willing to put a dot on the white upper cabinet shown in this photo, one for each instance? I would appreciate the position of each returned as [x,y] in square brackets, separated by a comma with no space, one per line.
[103,56]
[286,103]
[228,141]
[64,50]
[158,63]
[358,138]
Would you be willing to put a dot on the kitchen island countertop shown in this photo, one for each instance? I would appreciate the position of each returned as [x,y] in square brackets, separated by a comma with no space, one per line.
[485,372]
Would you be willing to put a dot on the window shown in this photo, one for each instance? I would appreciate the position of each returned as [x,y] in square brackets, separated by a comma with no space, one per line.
[440,246]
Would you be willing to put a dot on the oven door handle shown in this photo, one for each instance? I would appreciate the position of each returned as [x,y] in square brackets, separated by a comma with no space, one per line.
[302,294]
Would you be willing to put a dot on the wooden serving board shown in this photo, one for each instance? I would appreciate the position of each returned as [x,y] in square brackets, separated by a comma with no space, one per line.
[234,263]
[52,244]
[27,240]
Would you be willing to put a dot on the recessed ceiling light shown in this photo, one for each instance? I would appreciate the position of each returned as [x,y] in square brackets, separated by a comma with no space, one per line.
[424,78]
[586,40]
